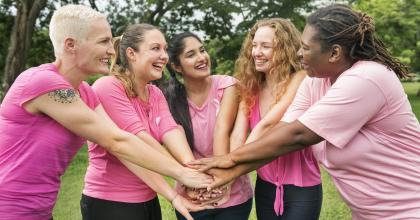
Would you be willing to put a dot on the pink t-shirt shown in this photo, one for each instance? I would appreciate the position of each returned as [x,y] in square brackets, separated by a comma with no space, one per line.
[203,121]
[372,147]
[35,150]
[106,177]
[299,168]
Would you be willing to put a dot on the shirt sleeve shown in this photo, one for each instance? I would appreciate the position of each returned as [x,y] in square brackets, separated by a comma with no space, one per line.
[41,82]
[164,119]
[300,103]
[117,105]
[223,82]
[346,107]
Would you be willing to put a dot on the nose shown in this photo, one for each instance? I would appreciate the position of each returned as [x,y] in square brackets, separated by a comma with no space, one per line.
[164,56]
[300,53]
[201,56]
[111,50]
[257,51]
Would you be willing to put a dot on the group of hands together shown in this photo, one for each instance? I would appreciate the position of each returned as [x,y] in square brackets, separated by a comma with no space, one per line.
[206,185]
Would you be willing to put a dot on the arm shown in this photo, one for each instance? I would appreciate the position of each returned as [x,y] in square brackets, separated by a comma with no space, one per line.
[71,112]
[225,121]
[281,140]
[240,129]
[177,144]
[278,110]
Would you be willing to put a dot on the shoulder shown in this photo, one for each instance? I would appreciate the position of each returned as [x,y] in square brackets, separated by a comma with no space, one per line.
[107,83]
[155,91]
[223,81]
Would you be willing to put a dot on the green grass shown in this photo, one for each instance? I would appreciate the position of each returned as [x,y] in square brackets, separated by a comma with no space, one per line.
[67,207]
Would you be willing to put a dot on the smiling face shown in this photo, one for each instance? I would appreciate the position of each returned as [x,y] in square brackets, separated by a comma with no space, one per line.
[94,51]
[194,60]
[314,60]
[150,59]
[262,49]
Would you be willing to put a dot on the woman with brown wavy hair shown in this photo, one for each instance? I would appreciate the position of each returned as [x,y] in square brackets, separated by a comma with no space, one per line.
[269,75]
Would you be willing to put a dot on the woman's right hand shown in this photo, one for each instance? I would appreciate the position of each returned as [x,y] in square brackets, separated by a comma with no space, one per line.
[194,178]
[204,164]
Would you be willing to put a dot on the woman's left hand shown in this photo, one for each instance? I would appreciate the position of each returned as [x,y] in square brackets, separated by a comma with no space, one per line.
[184,206]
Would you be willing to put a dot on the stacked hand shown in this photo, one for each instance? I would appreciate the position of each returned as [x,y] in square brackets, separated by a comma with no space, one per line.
[184,206]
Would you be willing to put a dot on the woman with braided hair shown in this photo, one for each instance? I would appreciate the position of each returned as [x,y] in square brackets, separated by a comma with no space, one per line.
[353,110]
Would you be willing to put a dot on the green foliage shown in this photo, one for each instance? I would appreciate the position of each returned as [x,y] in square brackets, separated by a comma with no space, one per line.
[6,24]
[397,24]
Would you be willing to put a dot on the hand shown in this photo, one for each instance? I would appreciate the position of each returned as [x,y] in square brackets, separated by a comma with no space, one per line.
[195,179]
[204,164]
[221,177]
[184,206]
[202,196]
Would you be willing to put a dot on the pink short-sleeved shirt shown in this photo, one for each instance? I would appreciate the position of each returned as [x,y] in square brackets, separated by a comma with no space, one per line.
[35,150]
[106,177]
[372,147]
[203,121]
[299,168]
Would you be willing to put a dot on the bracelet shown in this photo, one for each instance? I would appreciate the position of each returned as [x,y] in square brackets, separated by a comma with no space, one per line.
[172,200]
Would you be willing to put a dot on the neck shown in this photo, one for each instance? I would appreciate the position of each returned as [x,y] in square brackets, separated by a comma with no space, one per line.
[197,86]
[270,82]
[340,68]
[140,85]
[70,72]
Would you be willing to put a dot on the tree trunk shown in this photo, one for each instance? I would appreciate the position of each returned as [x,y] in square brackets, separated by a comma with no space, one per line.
[418,93]
[20,39]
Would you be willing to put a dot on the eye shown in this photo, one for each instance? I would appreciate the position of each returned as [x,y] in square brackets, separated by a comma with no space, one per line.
[203,50]
[155,48]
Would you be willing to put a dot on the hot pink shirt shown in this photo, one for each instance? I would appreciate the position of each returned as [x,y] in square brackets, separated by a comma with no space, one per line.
[372,147]
[203,121]
[35,150]
[298,168]
[106,177]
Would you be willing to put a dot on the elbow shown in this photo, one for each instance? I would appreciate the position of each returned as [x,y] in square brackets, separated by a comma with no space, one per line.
[306,137]
[114,143]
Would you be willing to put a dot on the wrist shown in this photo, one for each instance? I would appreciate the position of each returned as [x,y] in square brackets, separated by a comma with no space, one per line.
[232,159]
[173,198]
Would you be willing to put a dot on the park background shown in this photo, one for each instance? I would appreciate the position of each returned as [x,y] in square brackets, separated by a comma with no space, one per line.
[223,24]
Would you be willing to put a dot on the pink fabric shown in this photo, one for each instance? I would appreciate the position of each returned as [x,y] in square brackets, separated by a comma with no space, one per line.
[35,150]
[372,147]
[203,120]
[106,177]
[298,168]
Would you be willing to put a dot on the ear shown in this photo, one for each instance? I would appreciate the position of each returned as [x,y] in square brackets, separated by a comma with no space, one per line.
[70,45]
[131,54]
[178,69]
[336,53]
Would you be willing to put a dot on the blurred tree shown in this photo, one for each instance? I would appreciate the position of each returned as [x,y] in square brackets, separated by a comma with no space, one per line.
[398,25]
[20,39]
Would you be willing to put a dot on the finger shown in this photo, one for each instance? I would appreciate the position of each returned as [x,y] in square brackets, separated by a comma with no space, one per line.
[186,214]
[215,184]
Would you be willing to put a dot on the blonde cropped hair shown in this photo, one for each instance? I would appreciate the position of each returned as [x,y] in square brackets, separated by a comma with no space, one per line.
[71,21]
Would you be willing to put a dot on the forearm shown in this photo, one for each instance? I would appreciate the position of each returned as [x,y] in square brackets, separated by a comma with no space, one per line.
[279,141]
[177,144]
[126,146]
[153,180]
[258,132]
[221,141]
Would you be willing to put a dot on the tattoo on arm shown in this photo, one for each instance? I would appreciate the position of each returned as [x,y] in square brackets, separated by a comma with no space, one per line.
[64,95]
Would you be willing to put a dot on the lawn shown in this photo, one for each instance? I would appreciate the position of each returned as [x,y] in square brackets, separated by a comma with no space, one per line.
[67,207]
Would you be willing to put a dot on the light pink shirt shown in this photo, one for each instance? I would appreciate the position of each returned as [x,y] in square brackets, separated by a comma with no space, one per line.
[372,147]
[203,121]
[299,168]
[106,177]
[35,150]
